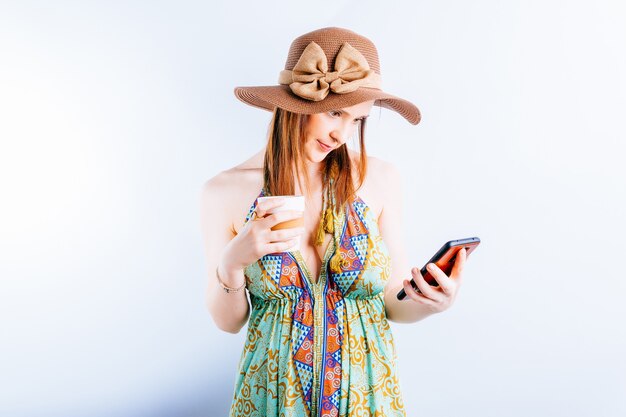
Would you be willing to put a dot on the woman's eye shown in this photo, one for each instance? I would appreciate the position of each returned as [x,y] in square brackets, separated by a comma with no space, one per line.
[335,113]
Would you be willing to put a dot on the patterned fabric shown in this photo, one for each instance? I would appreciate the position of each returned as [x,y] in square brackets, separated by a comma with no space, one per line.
[321,347]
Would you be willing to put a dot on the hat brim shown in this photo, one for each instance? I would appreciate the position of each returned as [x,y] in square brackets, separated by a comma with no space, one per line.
[270,97]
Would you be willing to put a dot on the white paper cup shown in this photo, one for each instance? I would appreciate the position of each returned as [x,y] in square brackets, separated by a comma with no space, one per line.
[291,202]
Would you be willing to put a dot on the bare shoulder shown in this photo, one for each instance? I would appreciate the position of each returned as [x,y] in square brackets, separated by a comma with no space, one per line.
[382,171]
[229,194]
[382,179]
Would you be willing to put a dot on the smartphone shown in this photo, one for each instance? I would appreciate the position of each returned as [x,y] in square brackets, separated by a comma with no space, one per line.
[444,259]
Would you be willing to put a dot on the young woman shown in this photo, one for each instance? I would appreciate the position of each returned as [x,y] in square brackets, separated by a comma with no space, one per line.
[318,338]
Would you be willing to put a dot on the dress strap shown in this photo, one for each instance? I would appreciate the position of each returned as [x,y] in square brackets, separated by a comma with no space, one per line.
[334,220]
[253,206]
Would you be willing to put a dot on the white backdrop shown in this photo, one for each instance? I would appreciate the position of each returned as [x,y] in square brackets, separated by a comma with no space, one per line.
[113,115]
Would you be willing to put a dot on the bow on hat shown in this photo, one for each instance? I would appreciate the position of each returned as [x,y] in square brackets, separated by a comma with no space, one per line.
[310,78]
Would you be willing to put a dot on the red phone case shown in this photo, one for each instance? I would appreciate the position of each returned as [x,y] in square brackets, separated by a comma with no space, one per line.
[444,259]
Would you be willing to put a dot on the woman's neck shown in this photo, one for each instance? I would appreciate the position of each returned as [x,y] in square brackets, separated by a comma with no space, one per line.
[314,175]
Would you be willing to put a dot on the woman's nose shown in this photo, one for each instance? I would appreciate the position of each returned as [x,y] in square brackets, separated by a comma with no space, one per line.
[340,134]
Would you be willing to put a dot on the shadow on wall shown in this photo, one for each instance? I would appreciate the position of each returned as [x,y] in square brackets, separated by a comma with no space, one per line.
[210,397]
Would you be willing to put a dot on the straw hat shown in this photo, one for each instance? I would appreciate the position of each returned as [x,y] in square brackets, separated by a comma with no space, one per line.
[328,69]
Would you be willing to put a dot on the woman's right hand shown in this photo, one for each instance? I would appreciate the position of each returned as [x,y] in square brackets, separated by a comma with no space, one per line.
[256,239]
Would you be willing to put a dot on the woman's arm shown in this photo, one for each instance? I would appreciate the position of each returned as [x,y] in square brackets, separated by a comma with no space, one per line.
[391,221]
[228,252]
[230,311]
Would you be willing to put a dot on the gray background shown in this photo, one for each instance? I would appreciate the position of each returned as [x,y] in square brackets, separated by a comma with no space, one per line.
[112,115]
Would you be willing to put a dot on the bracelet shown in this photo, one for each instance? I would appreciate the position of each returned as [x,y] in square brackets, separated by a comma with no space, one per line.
[227,289]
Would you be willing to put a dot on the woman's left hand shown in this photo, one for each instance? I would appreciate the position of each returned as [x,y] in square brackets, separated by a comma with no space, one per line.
[437,299]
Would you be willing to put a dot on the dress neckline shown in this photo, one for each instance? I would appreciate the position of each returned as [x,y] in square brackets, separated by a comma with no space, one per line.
[328,252]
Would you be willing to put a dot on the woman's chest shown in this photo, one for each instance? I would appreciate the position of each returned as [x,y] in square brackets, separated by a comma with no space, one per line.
[315,241]
[353,261]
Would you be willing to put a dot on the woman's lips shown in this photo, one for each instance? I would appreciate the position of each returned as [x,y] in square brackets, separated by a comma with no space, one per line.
[325,148]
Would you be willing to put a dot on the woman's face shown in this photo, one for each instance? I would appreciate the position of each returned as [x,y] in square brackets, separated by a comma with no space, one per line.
[327,131]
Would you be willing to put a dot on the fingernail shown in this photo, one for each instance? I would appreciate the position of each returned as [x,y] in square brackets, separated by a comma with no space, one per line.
[430,267]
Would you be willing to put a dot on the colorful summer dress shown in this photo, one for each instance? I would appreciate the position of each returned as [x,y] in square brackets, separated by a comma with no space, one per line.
[321,347]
